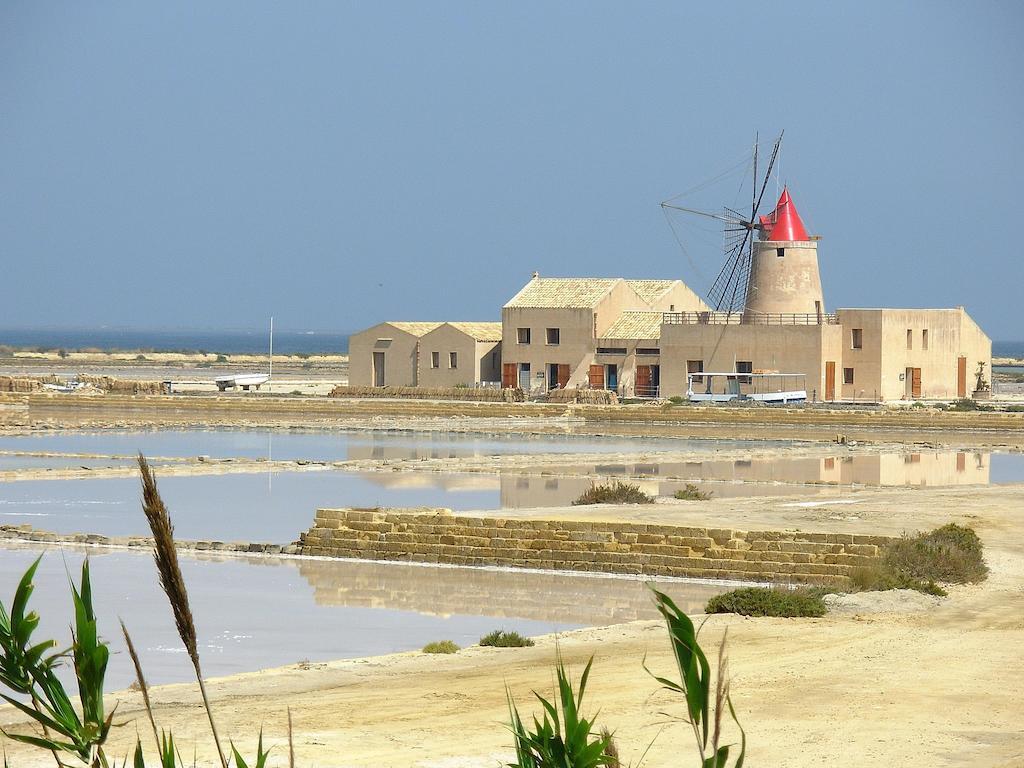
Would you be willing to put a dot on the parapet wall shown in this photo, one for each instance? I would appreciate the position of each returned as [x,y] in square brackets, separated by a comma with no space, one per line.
[474,394]
[438,536]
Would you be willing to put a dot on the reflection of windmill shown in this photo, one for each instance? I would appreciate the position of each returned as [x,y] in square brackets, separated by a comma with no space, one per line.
[745,281]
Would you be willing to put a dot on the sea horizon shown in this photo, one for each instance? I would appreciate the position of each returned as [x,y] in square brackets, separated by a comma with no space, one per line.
[287,341]
[225,341]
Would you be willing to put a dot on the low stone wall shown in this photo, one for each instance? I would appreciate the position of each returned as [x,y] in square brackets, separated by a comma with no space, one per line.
[476,394]
[438,536]
[29,533]
[583,396]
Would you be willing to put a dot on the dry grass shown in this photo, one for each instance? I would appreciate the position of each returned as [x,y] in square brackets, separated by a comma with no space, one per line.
[952,554]
[173,583]
[614,493]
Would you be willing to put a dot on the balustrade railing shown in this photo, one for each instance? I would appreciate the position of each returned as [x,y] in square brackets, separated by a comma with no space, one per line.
[748,318]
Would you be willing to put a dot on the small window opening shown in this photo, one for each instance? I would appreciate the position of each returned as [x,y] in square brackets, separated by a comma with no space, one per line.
[523,335]
[910,338]
[780,252]
[924,339]
[847,375]
[553,336]
[857,338]
[744,366]
[435,359]
[453,359]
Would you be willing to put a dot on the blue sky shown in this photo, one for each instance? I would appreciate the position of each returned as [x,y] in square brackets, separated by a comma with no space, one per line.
[336,164]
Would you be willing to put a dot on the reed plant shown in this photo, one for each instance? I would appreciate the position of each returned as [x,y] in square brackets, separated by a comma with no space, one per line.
[706,703]
[165,554]
[29,671]
[562,738]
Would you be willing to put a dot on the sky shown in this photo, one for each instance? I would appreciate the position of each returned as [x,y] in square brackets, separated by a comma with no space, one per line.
[336,164]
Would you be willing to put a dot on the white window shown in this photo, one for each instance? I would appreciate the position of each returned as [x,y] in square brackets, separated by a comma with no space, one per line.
[435,359]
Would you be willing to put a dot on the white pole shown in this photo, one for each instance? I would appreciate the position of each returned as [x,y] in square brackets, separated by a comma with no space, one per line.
[270,376]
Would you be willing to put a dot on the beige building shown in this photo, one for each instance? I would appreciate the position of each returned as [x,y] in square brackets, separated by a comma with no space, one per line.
[461,354]
[404,354]
[387,355]
[551,328]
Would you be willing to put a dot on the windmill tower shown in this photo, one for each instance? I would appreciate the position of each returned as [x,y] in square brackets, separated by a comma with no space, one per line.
[783,276]
[771,264]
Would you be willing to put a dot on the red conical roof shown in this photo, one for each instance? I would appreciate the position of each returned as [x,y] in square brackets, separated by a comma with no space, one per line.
[784,222]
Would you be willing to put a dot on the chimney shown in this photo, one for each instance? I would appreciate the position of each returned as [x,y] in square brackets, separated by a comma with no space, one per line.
[536,274]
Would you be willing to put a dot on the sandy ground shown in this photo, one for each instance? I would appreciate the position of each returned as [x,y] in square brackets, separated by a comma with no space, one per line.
[882,682]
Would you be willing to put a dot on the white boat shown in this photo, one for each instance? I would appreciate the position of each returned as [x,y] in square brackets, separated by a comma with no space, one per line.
[70,386]
[243,380]
[248,381]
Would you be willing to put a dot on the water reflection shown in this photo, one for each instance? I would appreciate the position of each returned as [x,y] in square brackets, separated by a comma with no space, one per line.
[337,445]
[254,613]
[583,600]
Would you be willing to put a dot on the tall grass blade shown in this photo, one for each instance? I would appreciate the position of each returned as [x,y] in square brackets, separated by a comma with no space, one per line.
[173,583]
[141,679]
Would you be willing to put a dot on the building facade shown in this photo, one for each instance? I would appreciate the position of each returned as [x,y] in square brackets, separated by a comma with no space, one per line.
[653,338]
[404,354]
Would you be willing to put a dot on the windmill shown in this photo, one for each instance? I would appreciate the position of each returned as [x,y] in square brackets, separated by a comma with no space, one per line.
[729,290]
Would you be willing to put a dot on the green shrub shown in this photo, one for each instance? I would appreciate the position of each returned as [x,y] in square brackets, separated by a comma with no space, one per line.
[692,493]
[968,404]
[140,358]
[614,493]
[952,554]
[876,578]
[676,400]
[222,358]
[441,646]
[765,601]
[499,638]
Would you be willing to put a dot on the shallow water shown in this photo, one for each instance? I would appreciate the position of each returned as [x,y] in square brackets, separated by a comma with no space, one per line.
[256,613]
[233,507]
[277,506]
[339,446]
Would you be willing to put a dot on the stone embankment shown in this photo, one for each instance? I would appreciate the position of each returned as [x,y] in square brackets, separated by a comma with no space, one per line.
[474,394]
[438,536]
[29,534]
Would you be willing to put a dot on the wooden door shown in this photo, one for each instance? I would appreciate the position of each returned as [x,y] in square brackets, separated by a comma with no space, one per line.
[563,375]
[830,380]
[961,377]
[915,382]
[508,375]
[378,369]
[643,381]
[596,376]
